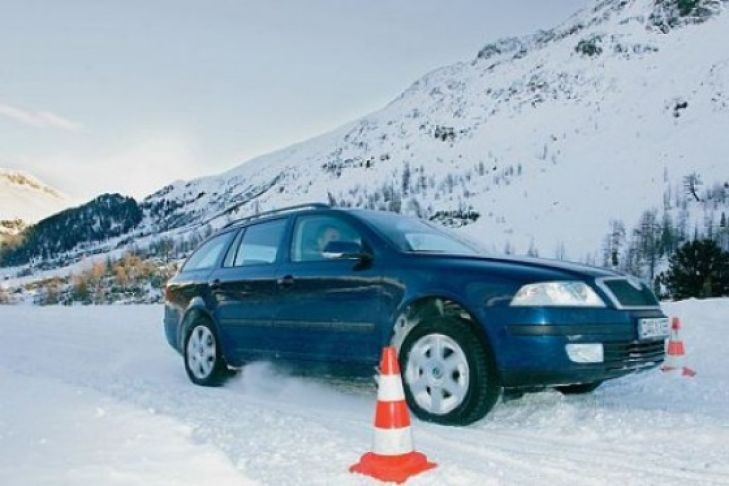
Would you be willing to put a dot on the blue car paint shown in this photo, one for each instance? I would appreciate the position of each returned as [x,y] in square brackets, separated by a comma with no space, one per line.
[343,312]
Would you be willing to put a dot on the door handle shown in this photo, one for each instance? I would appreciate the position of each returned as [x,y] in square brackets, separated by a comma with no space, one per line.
[285,281]
[215,284]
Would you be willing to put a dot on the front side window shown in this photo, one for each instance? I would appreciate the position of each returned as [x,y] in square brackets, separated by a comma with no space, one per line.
[260,243]
[207,255]
[313,233]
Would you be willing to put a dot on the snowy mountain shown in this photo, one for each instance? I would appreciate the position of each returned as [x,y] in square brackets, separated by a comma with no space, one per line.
[26,198]
[537,144]
[105,217]
[10,228]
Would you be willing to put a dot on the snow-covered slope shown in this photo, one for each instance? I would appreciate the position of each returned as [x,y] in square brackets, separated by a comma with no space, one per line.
[544,139]
[535,145]
[24,197]
[104,400]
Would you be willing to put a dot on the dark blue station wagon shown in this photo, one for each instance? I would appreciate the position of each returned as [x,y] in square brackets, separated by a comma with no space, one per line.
[331,286]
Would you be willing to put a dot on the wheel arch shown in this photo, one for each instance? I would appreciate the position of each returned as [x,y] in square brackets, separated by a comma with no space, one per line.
[418,308]
[194,312]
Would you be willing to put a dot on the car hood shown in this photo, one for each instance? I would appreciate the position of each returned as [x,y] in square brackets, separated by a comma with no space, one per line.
[575,269]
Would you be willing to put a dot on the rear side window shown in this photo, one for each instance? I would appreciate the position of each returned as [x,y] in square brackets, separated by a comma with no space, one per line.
[207,255]
[260,244]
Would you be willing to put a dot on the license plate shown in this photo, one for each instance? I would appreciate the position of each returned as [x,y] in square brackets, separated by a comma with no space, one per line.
[653,328]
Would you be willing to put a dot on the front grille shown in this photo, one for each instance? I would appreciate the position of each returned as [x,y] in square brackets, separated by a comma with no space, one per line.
[627,293]
[633,355]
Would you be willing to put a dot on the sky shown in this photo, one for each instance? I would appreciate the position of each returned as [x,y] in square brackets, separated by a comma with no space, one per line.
[127,96]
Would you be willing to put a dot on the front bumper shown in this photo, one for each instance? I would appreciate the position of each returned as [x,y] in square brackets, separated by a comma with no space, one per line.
[621,358]
[530,346]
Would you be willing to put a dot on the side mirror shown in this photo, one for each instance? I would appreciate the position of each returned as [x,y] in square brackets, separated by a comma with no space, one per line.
[347,250]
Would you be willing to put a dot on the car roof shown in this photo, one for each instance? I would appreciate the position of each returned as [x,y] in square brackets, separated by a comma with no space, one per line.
[286,211]
[297,210]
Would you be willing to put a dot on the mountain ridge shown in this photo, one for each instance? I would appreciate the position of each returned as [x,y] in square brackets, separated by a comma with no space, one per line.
[609,32]
[534,145]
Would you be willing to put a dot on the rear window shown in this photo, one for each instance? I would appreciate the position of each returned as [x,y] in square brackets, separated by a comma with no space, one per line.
[208,254]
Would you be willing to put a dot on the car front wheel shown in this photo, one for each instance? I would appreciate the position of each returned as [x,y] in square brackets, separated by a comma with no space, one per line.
[449,376]
[204,362]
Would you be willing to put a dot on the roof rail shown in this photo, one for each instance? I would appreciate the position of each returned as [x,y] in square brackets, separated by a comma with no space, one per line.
[288,209]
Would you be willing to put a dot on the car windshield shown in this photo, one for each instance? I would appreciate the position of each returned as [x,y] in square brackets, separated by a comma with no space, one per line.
[415,235]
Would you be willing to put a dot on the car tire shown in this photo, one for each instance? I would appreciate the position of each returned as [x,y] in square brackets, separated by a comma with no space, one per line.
[203,356]
[580,389]
[465,389]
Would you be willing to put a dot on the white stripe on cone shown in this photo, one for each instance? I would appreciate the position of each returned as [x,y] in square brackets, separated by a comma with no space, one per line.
[672,362]
[390,389]
[392,442]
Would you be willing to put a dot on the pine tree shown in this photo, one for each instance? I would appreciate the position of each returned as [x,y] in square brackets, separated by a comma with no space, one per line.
[722,237]
[631,262]
[648,238]
[668,241]
[614,244]
[699,269]
[406,178]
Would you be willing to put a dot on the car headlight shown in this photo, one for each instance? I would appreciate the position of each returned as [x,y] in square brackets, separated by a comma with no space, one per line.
[566,294]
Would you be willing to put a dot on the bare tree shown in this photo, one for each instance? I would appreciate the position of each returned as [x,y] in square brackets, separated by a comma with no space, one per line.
[691,184]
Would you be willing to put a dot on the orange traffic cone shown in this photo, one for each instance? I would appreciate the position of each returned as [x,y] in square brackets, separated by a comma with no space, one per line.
[675,352]
[393,457]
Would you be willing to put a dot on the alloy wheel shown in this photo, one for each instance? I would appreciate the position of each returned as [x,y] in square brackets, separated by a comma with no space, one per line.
[201,352]
[437,373]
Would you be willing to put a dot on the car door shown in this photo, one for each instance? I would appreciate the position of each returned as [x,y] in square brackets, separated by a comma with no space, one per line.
[327,308]
[244,290]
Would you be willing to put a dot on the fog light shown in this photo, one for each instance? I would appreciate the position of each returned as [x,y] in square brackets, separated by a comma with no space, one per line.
[585,353]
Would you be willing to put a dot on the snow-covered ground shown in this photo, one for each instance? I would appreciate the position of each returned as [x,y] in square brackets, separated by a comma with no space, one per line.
[94,395]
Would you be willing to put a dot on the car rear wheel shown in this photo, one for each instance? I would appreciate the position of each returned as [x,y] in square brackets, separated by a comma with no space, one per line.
[579,389]
[204,362]
[448,375]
